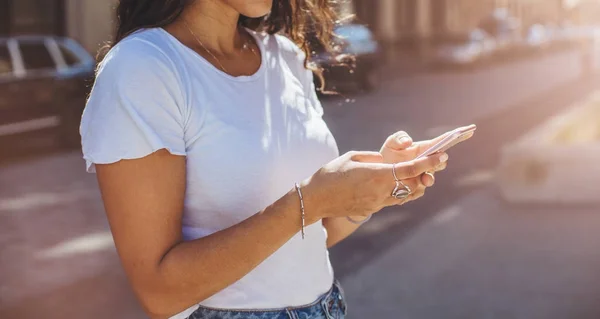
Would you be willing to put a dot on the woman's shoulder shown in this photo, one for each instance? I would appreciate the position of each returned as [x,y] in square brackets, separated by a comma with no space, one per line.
[281,44]
[289,52]
[141,51]
[287,45]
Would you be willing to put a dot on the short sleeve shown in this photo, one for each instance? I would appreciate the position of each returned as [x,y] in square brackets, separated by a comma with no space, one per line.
[135,108]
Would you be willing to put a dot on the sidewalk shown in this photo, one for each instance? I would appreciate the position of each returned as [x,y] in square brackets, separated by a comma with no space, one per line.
[57,258]
[401,62]
[480,259]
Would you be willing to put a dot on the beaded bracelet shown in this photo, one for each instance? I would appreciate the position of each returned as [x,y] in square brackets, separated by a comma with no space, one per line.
[302,214]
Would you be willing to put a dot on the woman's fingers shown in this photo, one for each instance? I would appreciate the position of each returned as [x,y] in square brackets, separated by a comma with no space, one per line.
[414,184]
[411,173]
[398,141]
[441,167]
[418,176]
[428,179]
[416,196]
[417,167]
[408,172]
[417,189]
[366,157]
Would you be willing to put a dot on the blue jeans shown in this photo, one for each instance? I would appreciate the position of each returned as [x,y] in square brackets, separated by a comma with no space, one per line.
[331,305]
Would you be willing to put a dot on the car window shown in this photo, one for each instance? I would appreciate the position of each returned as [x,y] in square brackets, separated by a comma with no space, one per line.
[36,57]
[70,57]
[6,66]
[477,35]
[354,32]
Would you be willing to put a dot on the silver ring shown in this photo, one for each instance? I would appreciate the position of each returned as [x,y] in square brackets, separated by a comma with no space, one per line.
[394,172]
[401,191]
[430,174]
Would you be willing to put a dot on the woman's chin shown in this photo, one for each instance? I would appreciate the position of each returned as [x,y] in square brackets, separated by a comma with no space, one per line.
[254,8]
[256,13]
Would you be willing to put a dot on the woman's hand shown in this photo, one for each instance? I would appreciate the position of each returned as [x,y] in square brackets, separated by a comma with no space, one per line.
[400,147]
[360,184]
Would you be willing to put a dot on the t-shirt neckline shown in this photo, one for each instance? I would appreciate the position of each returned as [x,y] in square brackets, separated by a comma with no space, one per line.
[241,78]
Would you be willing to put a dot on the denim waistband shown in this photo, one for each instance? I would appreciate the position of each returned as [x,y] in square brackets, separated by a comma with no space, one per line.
[331,305]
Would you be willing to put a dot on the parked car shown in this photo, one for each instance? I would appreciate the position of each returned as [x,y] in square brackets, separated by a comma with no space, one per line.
[581,33]
[504,28]
[538,37]
[43,87]
[355,60]
[474,48]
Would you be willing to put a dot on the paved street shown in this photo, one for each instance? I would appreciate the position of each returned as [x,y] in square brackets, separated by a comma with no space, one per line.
[480,259]
[427,103]
[55,246]
[462,253]
[56,252]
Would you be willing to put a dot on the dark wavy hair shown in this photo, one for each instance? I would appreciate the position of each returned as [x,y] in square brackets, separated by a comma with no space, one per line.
[303,21]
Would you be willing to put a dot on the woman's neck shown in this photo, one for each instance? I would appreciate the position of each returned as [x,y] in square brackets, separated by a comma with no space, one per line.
[214,24]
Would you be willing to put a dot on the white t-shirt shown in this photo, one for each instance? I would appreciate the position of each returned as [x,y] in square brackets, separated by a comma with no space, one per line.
[246,140]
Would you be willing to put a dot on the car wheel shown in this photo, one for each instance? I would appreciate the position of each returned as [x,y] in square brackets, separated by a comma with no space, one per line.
[369,79]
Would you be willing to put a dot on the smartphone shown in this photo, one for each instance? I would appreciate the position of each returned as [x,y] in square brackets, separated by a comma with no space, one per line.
[458,135]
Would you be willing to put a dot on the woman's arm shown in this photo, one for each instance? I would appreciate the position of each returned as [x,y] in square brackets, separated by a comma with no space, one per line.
[144,203]
[339,228]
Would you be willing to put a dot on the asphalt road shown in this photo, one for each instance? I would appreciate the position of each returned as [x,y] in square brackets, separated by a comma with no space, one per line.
[55,248]
[480,258]
[500,118]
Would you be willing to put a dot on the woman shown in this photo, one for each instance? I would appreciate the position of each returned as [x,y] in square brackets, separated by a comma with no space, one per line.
[221,182]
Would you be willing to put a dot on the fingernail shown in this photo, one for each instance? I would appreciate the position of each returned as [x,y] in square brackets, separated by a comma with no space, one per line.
[404,140]
[443,158]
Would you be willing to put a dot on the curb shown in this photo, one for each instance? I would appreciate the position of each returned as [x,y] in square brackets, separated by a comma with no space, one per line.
[556,162]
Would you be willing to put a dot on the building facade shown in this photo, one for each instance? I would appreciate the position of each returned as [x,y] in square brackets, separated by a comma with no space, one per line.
[90,22]
[402,21]
[31,16]
[583,11]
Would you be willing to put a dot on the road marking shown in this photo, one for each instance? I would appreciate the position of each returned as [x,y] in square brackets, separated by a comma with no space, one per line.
[81,245]
[447,214]
[32,201]
[475,178]
[29,126]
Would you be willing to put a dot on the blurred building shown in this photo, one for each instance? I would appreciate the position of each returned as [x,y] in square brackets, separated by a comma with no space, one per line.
[88,21]
[409,21]
[394,21]
[583,11]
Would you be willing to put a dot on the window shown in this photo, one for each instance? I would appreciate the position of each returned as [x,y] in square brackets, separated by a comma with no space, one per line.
[5,60]
[70,57]
[35,16]
[36,57]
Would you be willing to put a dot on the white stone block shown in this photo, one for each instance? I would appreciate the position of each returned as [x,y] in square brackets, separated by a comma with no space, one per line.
[557,162]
